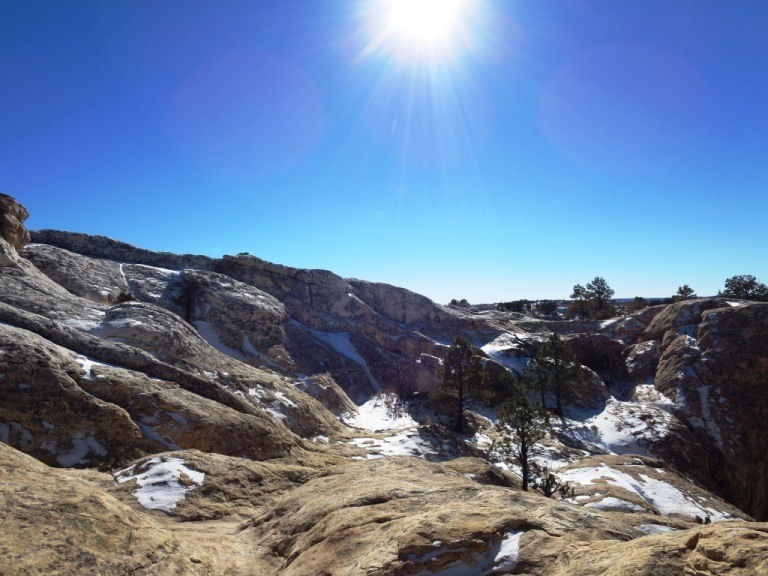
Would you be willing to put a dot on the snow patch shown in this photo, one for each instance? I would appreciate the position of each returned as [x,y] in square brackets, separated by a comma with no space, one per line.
[88,364]
[160,484]
[80,324]
[341,342]
[209,334]
[614,504]
[501,558]
[82,445]
[655,528]
[380,413]
[665,497]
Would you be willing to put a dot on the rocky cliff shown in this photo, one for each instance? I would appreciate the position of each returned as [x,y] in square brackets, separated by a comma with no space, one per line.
[166,414]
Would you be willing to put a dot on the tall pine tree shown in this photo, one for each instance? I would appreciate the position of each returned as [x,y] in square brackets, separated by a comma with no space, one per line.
[522,427]
[462,380]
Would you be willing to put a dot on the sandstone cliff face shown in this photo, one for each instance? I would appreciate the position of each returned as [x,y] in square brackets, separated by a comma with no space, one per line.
[718,379]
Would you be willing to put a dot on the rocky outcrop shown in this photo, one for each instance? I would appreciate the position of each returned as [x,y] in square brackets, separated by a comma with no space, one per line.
[12,217]
[100,281]
[62,522]
[713,367]
[110,249]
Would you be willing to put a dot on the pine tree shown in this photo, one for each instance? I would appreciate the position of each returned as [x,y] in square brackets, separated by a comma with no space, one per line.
[522,427]
[746,287]
[536,378]
[557,361]
[600,293]
[684,292]
[579,297]
[462,380]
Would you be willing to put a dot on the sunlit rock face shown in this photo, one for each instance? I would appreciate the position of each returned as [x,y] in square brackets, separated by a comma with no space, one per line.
[12,217]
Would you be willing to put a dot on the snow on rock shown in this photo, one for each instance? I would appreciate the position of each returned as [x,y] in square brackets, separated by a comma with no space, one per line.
[209,334]
[273,401]
[381,412]
[82,445]
[340,342]
[621,427]
[501,558]
[667,499]
[88,364]
[655,528]
[614,504]
[162,482]
[501,350]
[410,442]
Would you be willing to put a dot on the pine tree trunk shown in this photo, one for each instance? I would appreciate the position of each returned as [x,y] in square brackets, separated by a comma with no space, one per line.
[459,428]
[524,465]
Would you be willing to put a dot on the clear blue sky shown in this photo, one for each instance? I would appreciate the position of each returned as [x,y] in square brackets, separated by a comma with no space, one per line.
[542,144]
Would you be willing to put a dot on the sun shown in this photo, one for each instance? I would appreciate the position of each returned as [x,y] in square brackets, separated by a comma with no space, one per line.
[425,23]
[420,30]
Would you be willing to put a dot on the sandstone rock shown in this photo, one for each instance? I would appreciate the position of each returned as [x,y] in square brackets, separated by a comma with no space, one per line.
[401,305]
[65,522]
[245,318]
[158,286]
[12,217]
[717,382]
[108,248]
[393,516]
[642,360]
[679,318]
[717,550]
[100,281]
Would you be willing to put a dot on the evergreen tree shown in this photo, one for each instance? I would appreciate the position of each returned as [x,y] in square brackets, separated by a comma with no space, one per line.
[745,287]
[462,380]
[536,378]
[549,484]
[579,305]
[600,293]
[556,360]
[684,292]
[522,427]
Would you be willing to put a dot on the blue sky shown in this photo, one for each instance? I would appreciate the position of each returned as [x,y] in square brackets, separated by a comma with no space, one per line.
[545,143]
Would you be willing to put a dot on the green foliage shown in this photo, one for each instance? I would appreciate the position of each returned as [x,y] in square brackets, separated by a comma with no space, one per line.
[515,305]
[592,300]
[463,303]
[600,294]
[536,377]
[462,380]
[546,307]
[553,368]
[745,287]
[638,303]
[522,427]
[579,308]
[549,484]
[684,292]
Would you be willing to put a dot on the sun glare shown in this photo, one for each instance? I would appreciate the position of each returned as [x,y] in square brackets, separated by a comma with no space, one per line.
[425,22]
[420,30]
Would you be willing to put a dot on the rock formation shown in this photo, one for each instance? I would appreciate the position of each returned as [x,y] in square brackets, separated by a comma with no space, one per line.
[180,414]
